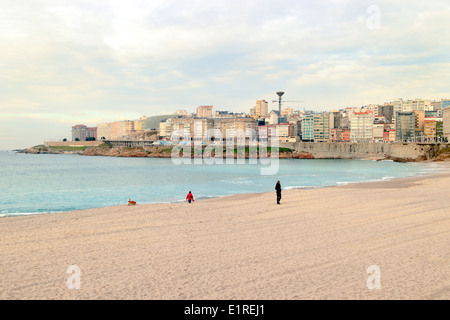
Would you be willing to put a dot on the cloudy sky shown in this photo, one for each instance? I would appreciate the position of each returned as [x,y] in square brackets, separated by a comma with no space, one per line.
[90,61]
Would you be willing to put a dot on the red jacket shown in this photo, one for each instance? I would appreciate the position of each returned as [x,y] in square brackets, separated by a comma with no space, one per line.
[190,196]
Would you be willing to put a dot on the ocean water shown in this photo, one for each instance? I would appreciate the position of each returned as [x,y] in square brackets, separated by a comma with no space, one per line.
[38,184]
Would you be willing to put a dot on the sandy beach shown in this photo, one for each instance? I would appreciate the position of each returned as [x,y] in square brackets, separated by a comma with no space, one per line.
[318,244]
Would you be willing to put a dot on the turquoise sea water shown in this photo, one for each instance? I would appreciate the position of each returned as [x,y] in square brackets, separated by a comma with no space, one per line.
[36,184]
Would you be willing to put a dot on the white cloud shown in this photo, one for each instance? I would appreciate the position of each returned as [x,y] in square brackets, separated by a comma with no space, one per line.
[119,58]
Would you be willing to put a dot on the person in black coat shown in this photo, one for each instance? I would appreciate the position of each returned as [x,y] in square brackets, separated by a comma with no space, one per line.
[278,189]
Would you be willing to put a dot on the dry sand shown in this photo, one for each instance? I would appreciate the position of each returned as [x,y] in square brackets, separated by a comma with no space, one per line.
[317,245]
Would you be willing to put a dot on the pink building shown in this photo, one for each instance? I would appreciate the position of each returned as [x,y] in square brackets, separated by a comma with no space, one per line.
[84,133]
[346,135]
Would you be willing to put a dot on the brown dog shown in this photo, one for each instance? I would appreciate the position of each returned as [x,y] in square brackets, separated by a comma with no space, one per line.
[131,203]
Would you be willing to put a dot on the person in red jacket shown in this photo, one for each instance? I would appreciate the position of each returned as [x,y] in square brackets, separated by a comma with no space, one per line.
[190,197]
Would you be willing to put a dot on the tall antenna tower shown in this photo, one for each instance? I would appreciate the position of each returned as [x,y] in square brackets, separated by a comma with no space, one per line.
[280,94]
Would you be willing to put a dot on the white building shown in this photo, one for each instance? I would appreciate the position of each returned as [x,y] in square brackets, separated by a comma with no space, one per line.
[412,105]
[378,132]
[361,126]
[273,117]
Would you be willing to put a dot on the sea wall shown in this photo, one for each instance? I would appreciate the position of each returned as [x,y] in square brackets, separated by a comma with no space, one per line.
[401,152]
[72,143]
[392,151]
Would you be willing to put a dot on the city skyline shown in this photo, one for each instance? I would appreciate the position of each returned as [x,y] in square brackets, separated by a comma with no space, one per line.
[81,62]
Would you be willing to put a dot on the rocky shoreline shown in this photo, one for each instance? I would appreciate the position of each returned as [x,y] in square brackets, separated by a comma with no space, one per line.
[106,150]
[166,152]
[140,152]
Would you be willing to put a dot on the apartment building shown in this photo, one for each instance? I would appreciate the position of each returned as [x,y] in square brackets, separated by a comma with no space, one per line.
[261,108]
[335,135]
[362,126]
[445,104]
[378,132]
[405,126]
[430,129]
[420,120]
[322,127]
[386,110]
[165,128]
[389,136]
[284,132]
[81,132]
[207,129]
[446,123]
[308,128]
[205,112]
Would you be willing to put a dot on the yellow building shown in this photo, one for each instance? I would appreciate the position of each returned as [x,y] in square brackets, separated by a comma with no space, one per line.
[420,120]
[181,127]
[139,125]
[116,130]
[261,108]
[392,135]
[165,128]
[430,129]
[125,129]
[378,132]
[285,131]
[322,127]
[104,131]
[287,111]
